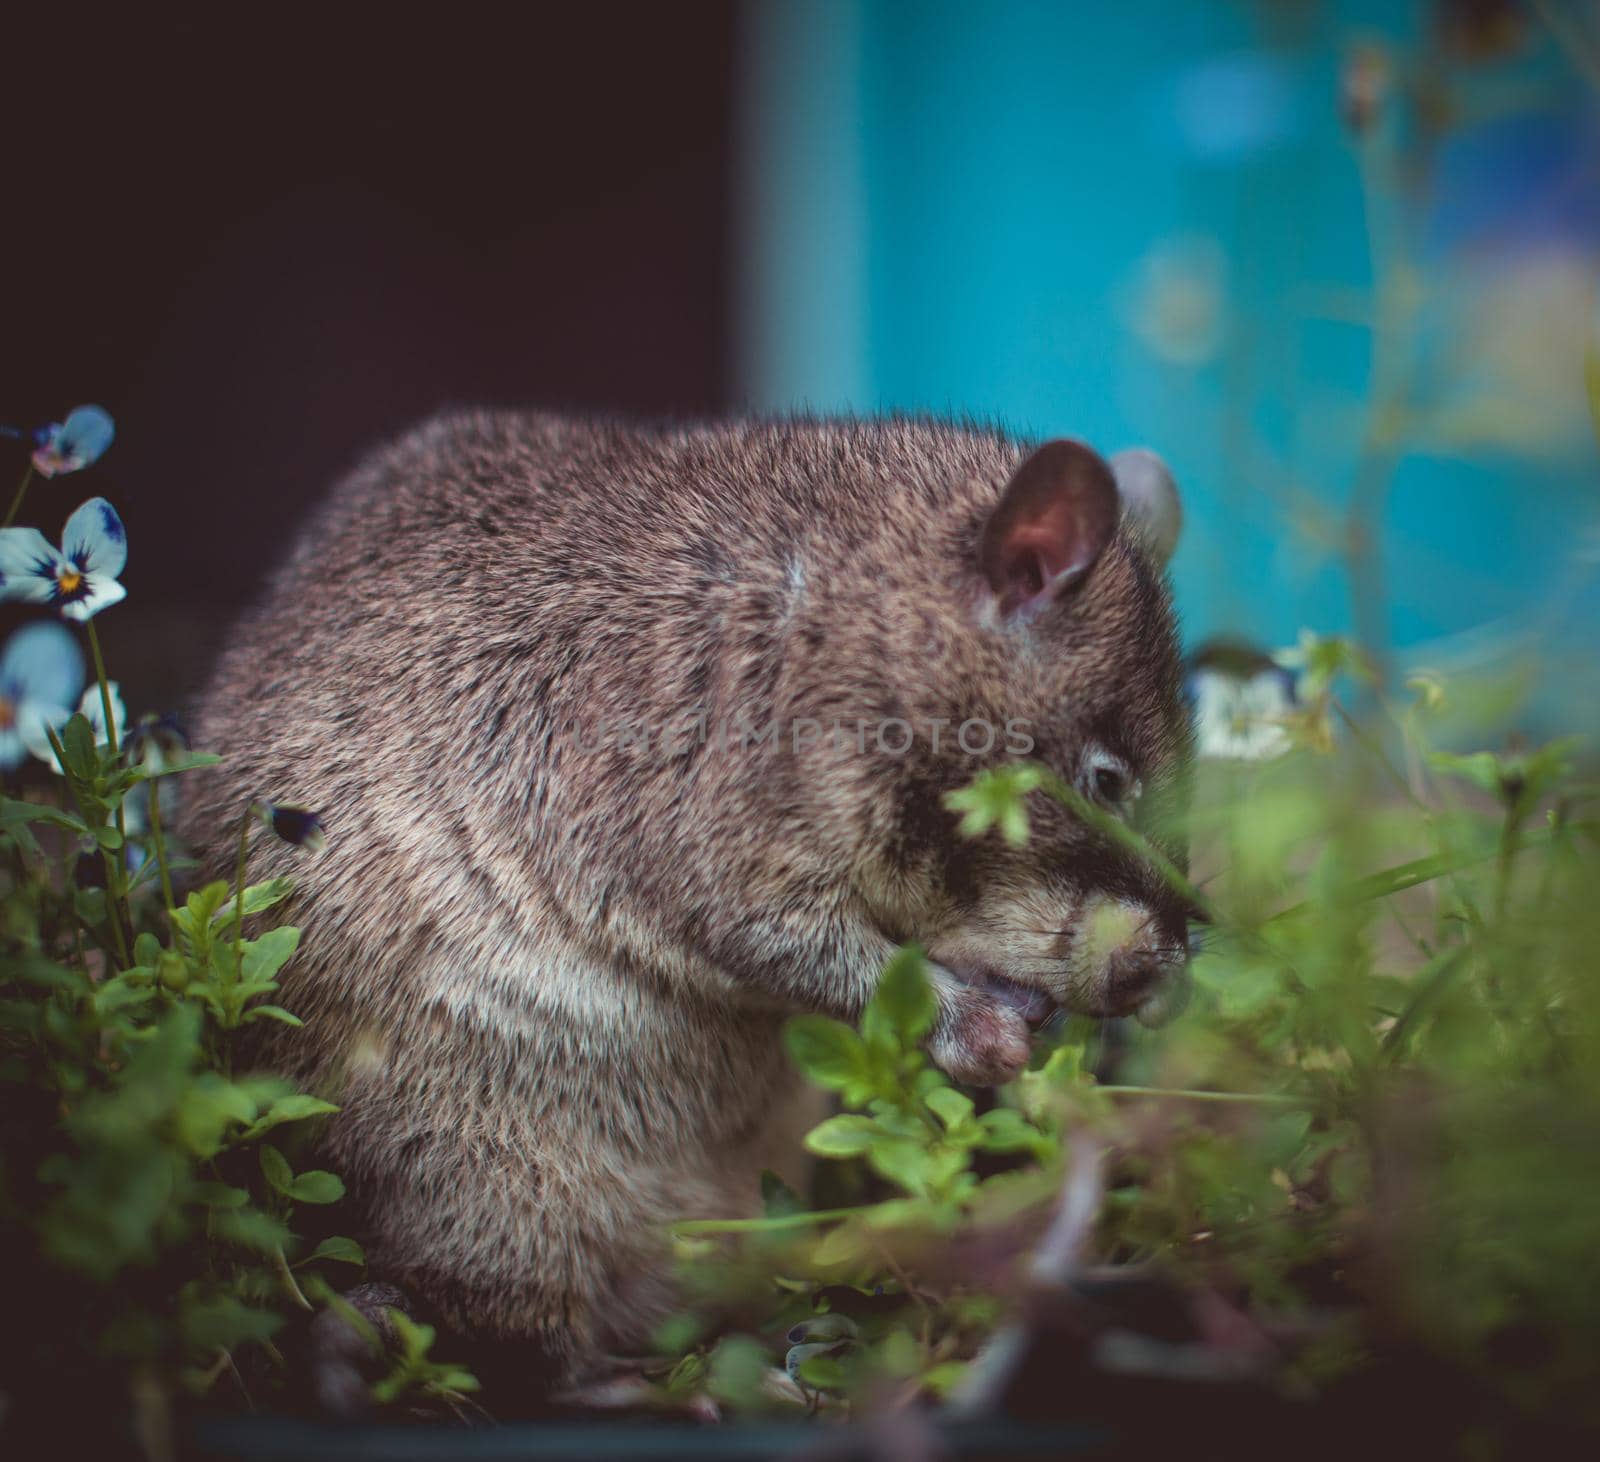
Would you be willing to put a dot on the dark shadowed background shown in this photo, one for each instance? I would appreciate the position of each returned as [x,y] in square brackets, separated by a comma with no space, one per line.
[1335,259]
[263,244]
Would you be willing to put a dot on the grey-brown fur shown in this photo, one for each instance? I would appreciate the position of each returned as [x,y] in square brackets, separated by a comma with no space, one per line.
[547,983]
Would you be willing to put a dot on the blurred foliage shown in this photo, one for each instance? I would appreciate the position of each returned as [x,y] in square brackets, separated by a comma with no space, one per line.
[1372,1133]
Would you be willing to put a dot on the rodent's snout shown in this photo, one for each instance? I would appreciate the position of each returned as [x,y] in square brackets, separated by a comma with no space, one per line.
[1100,954]
[1131,960]
[1130,978]
[1151,986]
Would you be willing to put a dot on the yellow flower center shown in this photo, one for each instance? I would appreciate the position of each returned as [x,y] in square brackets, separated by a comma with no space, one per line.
[69,579]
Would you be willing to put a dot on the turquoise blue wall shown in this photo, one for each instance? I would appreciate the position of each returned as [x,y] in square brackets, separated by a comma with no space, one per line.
[962,207]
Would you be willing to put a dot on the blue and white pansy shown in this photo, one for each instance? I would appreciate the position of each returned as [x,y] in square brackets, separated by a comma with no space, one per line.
[41,673]
[71,445]
[79,578]
[1240,699]
[91,709]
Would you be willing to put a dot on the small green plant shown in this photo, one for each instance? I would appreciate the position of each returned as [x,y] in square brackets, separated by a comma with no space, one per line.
[150,1204]
[1372,1130]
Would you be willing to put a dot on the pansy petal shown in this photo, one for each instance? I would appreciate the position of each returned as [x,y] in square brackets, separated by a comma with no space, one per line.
[94,539]
[31,724]
[78,442]
[102,593]
[92,710]
[48,462]
[71,445]
[28,565]
[42,662]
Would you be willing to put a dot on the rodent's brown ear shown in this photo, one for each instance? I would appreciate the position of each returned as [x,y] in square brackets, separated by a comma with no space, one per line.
[1052,522]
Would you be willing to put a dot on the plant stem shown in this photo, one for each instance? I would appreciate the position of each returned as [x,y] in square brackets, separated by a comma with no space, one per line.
[768,1225]
[106,854]
[113,739]
[287,1275]
[16,502]
[213,1372]
[119,889]
[1268,1099]
[1510,831]
[1114,830]
[1427,985]
[1409,875]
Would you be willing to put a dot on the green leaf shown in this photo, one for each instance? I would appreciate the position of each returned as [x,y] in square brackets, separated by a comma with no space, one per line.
[904,1002]
[117,994]
[821,1371]
[200,906]
[275,1168]
[252,1229]
[15,814]
[182,761]
[1283,1136]
[1007,1130]
[257,897]
[950,1106]
[90,906]
[997,798]
[678,1333]
[296,1108]
[415,1339]
[1039,1091]
[843,1136]
[687,1377]
[828,1051]
[778,1199]
[905,1161]
[737,1372]
[272,1012]
[221,1322]
[942,1379]
[1243,987]
[1481,768]
[77,744]
[316,1186]
[48,975]
[337,1250]
[266,955]
[843,1244]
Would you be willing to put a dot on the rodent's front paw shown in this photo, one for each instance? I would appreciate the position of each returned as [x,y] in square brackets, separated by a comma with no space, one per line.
[978,1040]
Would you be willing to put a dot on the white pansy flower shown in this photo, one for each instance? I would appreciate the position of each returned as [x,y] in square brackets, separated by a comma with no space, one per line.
[41,672]
[80,577]
[1240,720]
[1240,700]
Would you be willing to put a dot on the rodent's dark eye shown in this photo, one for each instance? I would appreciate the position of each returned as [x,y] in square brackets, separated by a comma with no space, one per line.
[1110,785]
